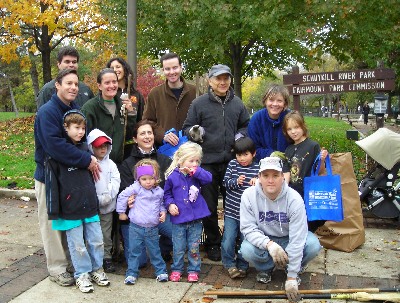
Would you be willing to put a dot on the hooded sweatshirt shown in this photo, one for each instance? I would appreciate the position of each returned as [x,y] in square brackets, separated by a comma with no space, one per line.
[261,217]
[107,186]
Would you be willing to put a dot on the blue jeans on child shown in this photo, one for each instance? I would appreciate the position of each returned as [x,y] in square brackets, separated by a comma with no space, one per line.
[165,232]
[186,236]
[262,260]
[86,247]
[228,245]
[147,237]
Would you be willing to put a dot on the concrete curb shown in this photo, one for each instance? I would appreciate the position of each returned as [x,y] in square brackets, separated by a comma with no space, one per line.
[17,193]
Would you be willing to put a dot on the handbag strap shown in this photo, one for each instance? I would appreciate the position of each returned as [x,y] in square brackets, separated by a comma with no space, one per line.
[314,172]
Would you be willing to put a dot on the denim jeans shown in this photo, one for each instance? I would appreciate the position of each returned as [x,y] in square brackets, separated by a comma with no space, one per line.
[228,245]
[147,237]
[263,261]
[187,236]
[125,237]
[86,257]
[165,241]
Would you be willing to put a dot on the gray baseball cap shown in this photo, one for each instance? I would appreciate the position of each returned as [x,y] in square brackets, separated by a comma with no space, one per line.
[219,69]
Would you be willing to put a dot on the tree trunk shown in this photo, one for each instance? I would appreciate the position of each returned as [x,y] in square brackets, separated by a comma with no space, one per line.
[46,65]
[237,63]
[34,74]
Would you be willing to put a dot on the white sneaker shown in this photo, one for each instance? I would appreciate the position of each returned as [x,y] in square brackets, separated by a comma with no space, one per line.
[130,280]
[84,284]
[100,277]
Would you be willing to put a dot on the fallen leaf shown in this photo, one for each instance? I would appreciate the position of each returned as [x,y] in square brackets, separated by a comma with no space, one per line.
[207,299]
[378,248]
[218,285]
[4,233]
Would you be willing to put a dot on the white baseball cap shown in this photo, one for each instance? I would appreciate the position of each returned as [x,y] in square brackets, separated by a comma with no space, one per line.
[274,163]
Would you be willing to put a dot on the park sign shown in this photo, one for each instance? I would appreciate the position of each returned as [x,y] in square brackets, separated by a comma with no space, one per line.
[381,79]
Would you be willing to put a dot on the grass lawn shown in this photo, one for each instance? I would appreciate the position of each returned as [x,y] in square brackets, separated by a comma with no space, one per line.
[4,116]
[331,134]
[17,149]
[17,163]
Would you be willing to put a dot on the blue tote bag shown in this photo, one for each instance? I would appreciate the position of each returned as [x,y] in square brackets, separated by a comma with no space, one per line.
[323,194]
[168,149]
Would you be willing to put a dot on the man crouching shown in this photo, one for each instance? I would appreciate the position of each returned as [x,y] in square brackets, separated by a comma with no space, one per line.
[274,225]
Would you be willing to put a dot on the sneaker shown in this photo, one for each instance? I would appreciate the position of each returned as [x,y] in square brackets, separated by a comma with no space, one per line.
[108,265]
[233,272]
[175,276]
[100,277]
[64,279]
[162,278]
[242,273]
[130,280]
[193,277]
[214,253]
[264,277]
[84,284]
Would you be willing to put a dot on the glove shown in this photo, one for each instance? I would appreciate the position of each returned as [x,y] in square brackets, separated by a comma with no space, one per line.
[196,132]
[278,254]
[105,199]
[292,291]
[279,154]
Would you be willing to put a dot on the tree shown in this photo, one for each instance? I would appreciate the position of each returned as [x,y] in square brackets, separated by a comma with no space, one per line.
[253,37]
[30,26]
[361,32]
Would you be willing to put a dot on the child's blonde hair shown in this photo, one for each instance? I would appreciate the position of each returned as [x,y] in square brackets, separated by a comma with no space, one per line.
[184,152]
[297,118]
[154,164]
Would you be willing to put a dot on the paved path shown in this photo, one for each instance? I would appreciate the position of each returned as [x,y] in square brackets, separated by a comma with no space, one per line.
[23,274]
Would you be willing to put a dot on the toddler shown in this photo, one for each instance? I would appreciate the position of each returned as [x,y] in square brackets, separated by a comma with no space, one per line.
[184,179]
[146,213]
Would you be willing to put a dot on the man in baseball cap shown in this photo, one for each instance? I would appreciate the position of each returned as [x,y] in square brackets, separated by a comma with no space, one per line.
[273,222]
[215,120]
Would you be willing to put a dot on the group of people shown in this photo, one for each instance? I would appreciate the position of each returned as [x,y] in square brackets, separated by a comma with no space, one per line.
[99,171]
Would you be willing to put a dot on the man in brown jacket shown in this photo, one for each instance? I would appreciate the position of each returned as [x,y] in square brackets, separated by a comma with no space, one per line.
[167,104]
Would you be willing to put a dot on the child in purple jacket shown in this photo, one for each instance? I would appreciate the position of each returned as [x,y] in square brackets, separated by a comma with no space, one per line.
[147,212]
[183,199]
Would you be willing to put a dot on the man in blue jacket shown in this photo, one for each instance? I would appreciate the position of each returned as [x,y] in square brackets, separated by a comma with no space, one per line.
[51,141]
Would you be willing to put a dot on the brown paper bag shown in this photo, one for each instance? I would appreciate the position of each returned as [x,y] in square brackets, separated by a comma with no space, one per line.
[348,234]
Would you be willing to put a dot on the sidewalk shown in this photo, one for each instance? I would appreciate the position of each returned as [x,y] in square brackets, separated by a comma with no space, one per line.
[23,274]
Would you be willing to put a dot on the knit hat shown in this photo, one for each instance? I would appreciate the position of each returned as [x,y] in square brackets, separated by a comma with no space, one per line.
[144,170]
[100,141]
[274,163]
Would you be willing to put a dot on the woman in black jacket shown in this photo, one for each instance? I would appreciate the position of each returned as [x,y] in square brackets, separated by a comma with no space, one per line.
[143,135]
